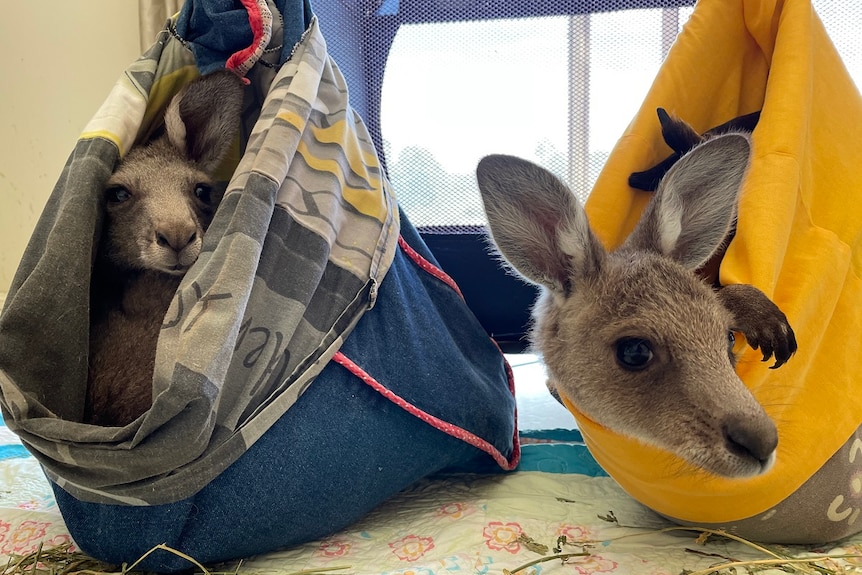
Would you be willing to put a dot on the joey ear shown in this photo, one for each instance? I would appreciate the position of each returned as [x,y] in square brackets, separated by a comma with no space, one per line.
[203,118]
[695,205]
[537,223]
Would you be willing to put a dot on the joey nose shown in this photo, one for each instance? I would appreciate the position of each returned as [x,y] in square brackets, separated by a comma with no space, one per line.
[754,437]
[176,239]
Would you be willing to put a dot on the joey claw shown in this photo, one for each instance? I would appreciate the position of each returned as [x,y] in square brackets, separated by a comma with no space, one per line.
[766,350]
[762,323]
[786,348]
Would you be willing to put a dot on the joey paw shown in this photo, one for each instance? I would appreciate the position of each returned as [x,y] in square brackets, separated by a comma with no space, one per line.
[774,338]
[763,324]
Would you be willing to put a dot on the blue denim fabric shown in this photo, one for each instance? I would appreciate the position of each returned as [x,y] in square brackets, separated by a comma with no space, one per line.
[342,449]
[215,29]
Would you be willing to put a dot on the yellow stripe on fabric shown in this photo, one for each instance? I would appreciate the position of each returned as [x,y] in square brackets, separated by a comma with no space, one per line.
[105,135]
[366,201]
[344,135]
[293,119]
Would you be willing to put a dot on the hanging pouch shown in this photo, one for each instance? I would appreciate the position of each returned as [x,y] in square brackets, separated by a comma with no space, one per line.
[798,239]
[314,360]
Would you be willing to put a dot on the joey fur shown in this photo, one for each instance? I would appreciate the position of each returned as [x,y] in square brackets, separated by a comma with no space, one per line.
[633,337]
[158,204]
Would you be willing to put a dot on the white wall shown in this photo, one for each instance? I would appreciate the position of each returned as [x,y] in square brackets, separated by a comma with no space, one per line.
[59,62]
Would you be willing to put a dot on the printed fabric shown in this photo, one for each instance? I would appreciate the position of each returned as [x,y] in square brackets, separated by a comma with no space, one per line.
[307,230]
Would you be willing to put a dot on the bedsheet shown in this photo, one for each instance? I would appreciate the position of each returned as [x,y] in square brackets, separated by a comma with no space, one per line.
[454,524]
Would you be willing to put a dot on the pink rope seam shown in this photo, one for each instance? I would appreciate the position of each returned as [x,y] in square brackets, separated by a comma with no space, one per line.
[435,422]
[260,22]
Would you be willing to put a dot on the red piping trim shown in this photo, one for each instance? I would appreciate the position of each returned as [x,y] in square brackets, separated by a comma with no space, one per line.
[510,376]
[428,266]
[444,426]
[435,422]
[240,61]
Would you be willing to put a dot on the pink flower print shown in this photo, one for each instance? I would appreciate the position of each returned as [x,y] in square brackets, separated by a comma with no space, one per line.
[4,529]
[334,548]
[502,536]
[412,547]
[24,538]
[61,539]
[456,510]
[593,564]
[575,533]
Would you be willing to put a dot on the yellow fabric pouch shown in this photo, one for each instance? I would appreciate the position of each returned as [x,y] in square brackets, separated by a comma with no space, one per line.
[799,239]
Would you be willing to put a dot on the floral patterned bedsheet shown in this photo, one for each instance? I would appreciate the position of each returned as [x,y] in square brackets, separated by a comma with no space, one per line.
[28,513]
[459,524]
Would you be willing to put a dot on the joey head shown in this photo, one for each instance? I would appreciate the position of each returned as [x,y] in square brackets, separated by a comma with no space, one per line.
[158,204]
[632,337]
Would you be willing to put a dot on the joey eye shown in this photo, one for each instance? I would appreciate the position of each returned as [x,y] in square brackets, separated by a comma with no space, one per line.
[118,194]
[634,353]
[731,341]
[203,192]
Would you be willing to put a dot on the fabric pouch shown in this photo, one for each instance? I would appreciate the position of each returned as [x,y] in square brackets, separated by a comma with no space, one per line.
[314,362]
[798,239]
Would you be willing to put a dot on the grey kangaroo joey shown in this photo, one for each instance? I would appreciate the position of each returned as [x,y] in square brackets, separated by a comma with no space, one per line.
[633,337]
[158,203]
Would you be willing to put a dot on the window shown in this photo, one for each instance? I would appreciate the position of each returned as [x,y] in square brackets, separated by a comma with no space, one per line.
[557,90]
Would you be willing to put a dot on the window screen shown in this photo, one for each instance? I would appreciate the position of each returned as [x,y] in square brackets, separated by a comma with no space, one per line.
[557,90]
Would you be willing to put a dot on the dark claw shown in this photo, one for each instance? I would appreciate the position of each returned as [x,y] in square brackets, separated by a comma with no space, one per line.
[778,363]
[766,349]
[786,348]
[764,325]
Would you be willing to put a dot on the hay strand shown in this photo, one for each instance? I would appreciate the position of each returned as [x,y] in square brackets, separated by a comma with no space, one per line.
[61,560]
[787,563]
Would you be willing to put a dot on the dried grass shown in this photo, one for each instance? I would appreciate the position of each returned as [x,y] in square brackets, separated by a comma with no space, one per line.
[824,564]
[61,560]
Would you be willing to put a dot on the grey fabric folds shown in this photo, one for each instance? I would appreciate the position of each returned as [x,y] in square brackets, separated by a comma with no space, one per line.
[306,231]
